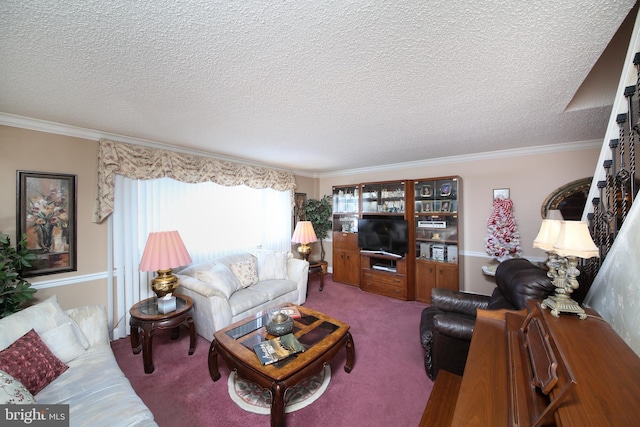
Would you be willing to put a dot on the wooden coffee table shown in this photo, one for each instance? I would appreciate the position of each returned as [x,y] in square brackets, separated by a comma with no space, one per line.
[323,336]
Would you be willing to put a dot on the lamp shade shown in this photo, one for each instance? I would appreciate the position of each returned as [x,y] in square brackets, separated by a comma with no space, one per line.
[548,234]
[555,214]
[164,250]
[574,239]
[304,233]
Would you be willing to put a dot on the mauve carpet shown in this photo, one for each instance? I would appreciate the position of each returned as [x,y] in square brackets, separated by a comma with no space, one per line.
[387,387]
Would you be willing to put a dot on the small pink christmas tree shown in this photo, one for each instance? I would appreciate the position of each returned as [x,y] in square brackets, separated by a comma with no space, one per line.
[503,240]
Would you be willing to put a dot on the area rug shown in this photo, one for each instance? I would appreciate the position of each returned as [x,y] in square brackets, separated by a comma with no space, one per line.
[253,398]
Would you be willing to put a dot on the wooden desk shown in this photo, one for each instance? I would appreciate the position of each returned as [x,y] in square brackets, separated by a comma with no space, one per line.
[599,370]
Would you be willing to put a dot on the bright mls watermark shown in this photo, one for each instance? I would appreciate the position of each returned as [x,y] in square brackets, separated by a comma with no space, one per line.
[34,415]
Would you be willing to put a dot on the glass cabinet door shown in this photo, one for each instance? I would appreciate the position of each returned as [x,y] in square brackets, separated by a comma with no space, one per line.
[346,208]
[383,198]
[436,196]
[436,219]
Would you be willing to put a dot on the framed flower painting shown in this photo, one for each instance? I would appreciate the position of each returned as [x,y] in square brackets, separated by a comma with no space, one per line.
[46,213]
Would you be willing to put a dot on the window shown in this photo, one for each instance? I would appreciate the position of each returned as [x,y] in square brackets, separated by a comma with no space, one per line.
[213,220]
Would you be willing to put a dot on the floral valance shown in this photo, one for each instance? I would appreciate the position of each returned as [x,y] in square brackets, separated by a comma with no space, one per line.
[140,162]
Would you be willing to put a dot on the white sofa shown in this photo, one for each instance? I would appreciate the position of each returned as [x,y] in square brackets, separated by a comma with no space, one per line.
[233,287]
[94,387]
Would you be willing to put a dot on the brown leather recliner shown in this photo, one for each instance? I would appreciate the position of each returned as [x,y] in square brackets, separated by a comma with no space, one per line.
[447,325]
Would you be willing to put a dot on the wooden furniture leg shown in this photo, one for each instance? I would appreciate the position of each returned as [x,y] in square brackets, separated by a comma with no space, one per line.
[147,355]
[135,340]
[213,361]
[351,351]
[277,404]
[192,335]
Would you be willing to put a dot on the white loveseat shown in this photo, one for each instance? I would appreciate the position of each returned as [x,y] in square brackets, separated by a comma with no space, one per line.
[94,387]
[233,287]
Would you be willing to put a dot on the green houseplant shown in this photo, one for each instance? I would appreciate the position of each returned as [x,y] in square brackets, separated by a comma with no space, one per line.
[318,211]
[14,290]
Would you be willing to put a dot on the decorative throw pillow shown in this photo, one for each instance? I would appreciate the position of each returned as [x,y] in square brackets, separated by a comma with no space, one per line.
[62,342]
[13,391]
[221,278]
[272,265]
[30,361]
[42,317]
[245,271]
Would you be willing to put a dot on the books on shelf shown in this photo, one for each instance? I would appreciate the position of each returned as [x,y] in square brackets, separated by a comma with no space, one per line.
[277,349]
[292,312]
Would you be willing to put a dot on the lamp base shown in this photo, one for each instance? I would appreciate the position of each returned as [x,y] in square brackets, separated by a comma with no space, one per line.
[166,282]
[563,304]
[304,250]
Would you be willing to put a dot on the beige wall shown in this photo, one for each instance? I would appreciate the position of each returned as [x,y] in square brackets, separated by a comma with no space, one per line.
[44,152]
[530,178]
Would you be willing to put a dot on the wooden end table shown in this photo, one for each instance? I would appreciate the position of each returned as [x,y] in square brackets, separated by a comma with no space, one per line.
[316,268]
[323,337]
[145,317]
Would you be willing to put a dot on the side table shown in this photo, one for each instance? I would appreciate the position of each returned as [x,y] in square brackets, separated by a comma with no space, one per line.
[146,318]
[316,268]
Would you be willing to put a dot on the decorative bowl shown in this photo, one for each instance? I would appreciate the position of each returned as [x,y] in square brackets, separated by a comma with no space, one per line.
[280,324]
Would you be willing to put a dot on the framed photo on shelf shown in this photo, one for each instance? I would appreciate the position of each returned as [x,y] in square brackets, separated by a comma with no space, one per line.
[445,206]
[445,190]
[427,207]
[425,191]
[46,213]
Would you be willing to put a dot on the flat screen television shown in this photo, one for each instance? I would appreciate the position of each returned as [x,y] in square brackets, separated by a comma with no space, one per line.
[384,235]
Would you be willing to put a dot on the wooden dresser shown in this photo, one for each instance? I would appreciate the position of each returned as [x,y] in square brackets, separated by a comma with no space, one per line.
[529,368]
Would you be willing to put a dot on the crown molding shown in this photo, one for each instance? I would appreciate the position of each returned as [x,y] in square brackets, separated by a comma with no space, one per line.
[96,135]
[490,155]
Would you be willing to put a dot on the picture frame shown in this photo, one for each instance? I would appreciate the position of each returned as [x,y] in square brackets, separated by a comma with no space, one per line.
[298,209]
[445,189]
[425,191]
[445,206]
[500,193]
[46,212]
[427,207]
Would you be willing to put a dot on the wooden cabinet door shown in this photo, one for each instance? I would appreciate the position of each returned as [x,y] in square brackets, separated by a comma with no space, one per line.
[447,276]
[425,280]
[352,268]
[339,271]
[346,258]
[346,267]
[432,274]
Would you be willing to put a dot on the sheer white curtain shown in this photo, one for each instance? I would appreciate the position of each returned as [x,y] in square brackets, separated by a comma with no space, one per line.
[213,220]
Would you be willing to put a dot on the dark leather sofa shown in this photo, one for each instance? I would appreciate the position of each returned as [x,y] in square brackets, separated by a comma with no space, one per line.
[447,325]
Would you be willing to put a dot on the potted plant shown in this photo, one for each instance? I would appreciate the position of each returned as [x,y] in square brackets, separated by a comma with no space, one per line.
[319,211]
[14,290]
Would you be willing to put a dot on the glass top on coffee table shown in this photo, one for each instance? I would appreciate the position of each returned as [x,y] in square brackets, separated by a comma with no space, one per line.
[252,332]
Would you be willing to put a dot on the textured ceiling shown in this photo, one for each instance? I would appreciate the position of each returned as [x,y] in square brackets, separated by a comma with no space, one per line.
[314,86]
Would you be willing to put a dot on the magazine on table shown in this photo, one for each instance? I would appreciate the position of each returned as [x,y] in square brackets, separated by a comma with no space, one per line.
[277,349]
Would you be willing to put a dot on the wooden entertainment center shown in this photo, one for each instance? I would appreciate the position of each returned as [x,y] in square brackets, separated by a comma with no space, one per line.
[384,275]
[432,209]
